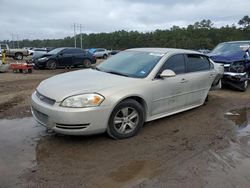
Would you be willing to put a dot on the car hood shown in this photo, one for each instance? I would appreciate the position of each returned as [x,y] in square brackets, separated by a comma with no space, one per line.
[77,82]
[41,55]
[37,55]
[229,57]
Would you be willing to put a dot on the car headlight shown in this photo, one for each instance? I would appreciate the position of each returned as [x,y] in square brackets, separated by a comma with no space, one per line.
[82,101]
[43,59]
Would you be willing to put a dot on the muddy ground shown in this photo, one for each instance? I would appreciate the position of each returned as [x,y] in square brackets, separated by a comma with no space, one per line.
[205,147]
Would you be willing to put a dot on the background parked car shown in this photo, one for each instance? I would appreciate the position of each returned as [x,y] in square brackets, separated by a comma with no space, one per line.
[64,57]
[204,51]
[113,52]
[100,52]
[14,53]
[39,52]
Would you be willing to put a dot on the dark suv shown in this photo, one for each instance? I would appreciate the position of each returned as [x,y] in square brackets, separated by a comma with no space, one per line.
[64,57]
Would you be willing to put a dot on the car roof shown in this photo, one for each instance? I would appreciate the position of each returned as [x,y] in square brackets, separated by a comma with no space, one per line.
[164,50]
[247,41]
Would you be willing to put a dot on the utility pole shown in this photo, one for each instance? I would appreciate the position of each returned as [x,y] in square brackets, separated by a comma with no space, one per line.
[76,26]
[12,38]
[75,33]
[17,36]
[81,34]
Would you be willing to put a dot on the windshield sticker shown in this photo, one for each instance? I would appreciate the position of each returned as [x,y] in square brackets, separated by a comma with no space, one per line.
[143,72]
[156,54]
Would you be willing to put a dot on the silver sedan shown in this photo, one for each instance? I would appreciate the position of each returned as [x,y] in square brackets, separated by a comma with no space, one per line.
[123,92]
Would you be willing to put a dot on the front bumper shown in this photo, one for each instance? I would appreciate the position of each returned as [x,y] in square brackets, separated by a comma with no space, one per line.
[235,77]
[70,121]
[38,63]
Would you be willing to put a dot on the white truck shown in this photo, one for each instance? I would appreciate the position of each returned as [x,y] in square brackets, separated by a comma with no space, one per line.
[14,53]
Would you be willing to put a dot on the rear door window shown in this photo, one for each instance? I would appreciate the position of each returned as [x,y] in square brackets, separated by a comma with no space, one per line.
[69,51]
[196,62]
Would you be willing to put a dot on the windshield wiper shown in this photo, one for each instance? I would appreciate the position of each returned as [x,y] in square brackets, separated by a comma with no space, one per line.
[117,73]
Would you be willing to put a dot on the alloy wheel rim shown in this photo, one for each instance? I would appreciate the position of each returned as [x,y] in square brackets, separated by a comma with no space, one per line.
[246,82]
[87,63]
[52,65]
[126,120]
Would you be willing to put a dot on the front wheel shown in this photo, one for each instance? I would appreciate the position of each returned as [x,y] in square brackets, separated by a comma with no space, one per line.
[51,65]
[126,119]
[244,85]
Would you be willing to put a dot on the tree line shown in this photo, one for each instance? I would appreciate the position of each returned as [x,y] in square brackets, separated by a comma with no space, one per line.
[200,35]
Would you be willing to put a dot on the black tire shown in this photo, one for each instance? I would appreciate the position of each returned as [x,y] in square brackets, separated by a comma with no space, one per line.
[86,63]
[105,56]
[134,117]
[51,65]
[18,56]
[29,70]
[36,67]
[244,85]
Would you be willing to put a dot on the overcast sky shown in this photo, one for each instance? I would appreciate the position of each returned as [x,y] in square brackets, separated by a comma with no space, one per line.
[39,19]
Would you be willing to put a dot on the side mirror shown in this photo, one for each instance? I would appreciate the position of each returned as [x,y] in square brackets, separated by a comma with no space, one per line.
[167,73]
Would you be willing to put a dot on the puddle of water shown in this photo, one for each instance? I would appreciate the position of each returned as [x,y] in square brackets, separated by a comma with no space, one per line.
[130,175]
[232,165]
[18,139]
[241,118]
[131,171]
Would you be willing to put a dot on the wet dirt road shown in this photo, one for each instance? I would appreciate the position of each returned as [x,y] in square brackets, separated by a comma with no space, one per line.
[205,147]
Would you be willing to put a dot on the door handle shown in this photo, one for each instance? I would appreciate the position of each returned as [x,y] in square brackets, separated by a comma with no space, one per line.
[183,80]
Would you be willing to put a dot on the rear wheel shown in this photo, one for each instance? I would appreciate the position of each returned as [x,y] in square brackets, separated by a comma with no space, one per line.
[51,65]
[105,56]
[87,63]
[19,56]
[126,120]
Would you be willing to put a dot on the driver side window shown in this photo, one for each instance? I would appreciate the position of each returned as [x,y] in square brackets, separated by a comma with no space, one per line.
[175,63]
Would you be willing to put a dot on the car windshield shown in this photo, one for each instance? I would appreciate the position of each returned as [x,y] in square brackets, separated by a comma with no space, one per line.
[55,51]
[131,63]
[92,50]
[225,48]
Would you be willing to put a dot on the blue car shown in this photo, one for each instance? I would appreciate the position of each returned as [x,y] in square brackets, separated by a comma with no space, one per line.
[235,57]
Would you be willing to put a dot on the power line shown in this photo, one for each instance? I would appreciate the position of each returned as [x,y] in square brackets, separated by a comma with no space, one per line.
[76,26]
[14,38]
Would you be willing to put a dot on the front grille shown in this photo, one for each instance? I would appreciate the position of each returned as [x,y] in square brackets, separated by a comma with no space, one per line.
[43,118]
[226,69]
[72,127]
[45,99]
